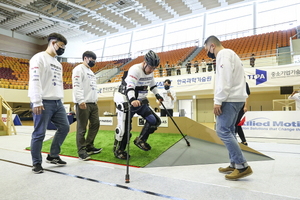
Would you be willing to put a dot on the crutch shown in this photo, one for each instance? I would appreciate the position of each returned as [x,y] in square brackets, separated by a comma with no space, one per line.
[187,142]
[127,177]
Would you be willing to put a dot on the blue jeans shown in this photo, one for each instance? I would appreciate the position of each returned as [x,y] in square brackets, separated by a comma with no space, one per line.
[53,111]
[225,129]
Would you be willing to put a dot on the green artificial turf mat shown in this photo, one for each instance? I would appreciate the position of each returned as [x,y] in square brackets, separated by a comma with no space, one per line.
[159,142]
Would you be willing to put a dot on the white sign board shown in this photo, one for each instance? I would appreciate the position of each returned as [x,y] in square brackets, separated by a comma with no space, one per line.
[296,59]
[4,117]
[164,121]
[107,121]
[15,118]
[272,124]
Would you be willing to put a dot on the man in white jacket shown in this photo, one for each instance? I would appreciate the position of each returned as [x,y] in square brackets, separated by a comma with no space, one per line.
[85,98]
[229,97]
[169,96]
[296,96]
[45,93]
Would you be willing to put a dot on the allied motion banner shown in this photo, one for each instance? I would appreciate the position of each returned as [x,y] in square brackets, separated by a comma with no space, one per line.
[285,75]
[272,124]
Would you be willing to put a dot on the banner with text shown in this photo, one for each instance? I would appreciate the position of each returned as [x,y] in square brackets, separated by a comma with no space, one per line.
[107,121]
[286,75]
[272,124]
[164,121]
[188,82]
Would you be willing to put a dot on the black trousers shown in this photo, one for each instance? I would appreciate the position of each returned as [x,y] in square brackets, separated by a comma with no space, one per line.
[84,117]
[239,129]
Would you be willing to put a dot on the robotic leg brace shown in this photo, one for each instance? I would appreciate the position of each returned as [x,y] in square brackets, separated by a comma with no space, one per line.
[122,129]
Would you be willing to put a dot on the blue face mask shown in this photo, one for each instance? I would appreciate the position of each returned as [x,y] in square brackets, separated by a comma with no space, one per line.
[167,87]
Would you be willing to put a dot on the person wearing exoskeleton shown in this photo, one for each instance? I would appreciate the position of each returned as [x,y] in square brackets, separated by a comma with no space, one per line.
[130,99]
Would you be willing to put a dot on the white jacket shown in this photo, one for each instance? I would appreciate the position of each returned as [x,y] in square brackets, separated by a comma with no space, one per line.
[136,77]
[168,102]
[45,79]
[230,80]
[296,97]
[84,85]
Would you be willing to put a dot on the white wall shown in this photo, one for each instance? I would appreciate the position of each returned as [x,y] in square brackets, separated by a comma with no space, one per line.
[74,49]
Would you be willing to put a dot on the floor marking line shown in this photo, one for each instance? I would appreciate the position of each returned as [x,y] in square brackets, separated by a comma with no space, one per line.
[97,181]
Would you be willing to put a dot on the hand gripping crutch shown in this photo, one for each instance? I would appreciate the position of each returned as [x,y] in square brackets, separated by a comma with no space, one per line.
[187,142]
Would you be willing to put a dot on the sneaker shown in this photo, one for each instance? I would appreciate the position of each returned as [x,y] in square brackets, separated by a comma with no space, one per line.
[121,154]
[55,160]
[245,143]
[239,173]
[93,150]
[84,156]
[37,168]
[226,170]
[141,144]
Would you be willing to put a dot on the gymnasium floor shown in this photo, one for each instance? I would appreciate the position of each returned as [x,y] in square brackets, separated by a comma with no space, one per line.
[273,179]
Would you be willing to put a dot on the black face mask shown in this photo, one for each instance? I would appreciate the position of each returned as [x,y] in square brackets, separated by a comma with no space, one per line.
[91,63]
[167,87]
[60,51]
[211,55]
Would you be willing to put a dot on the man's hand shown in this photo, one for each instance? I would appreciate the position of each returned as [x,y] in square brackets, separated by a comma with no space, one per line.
[158,102]
[217,110]
[38,110]
[136,103]
[82,105]
[170,95]
[294,93]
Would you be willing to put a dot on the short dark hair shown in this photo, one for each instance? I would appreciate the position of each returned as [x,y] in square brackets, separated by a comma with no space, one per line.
[167,81]
[213,39]
[58,37]
[89,54]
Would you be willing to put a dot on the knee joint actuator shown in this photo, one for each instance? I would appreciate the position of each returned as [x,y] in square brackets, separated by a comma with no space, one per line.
[122,108]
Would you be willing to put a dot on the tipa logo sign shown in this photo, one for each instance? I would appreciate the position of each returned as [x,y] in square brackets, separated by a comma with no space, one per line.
[260,76]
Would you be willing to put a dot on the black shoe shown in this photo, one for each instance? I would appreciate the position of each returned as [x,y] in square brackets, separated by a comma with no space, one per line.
[245,143]
[55,160]
[37,168]
[84,156]
[121,154]
[93,150]
[141,144]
